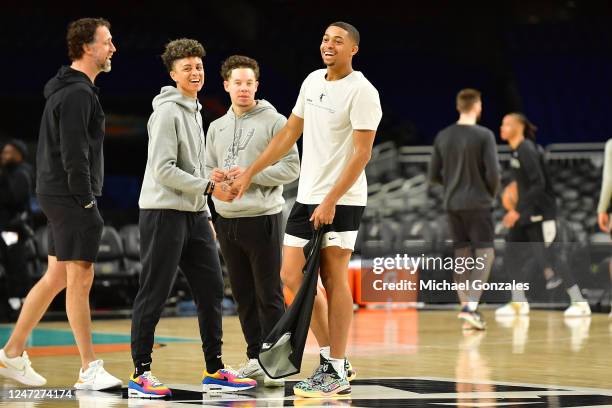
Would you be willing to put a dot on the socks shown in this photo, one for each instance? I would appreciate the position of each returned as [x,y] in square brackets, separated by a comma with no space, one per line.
[472,306]
[324,351]
[518,296]
[338,364]
[141,368]
[574,294]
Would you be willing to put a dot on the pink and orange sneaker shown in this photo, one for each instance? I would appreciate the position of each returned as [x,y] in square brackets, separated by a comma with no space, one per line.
[147,386]
[225,380]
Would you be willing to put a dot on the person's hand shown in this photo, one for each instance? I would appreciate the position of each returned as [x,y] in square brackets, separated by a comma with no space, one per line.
[511,218]
[323,214]
[603,219]
[212,227]
[241,184]
[234,173]
[218,175]
[224,192]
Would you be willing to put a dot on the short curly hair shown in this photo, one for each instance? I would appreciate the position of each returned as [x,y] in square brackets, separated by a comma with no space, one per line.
[181,48]
[81,32]
[238,61]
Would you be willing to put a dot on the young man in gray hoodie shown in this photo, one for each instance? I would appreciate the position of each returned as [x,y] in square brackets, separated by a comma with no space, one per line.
[174,227]
[249,230]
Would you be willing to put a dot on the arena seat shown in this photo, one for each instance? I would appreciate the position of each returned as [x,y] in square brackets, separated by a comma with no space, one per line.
[42,247]
[130,237]
[110,254]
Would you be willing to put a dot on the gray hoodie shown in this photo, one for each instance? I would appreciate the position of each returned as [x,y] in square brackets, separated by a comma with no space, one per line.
[237,141]
[174,178]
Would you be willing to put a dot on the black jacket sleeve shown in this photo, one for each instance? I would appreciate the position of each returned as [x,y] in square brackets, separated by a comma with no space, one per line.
[491,165]
[530,165]
[75,111]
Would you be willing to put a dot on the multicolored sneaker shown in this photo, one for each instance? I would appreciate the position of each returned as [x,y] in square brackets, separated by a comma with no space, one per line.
[472,317]
[351,373]
[147,385]
[327,384]
[226,380]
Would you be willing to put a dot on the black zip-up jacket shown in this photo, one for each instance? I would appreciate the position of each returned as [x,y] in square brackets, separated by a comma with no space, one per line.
[536,198]
[464,161]
[69,159]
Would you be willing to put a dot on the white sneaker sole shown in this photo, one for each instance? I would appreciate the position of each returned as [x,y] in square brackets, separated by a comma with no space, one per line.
[581,314]
[15,375]
[137,394]
[217,389]
[89,387]
[272,383]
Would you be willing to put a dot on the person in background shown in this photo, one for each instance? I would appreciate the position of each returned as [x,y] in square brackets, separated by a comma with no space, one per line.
[464,161]
[16,187]
[533,220]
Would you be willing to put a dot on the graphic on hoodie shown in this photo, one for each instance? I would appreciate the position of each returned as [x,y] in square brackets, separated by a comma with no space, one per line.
[238,145]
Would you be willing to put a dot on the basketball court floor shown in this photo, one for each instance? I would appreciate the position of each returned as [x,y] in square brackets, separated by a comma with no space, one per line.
[403,358]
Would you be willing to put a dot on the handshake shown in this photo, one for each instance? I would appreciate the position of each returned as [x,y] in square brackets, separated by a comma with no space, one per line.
[228,183]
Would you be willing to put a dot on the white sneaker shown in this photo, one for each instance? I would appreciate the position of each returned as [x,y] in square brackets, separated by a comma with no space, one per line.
[273,382]
[96,378]
[252,369]
[20,369]
[513,309]
[578,309]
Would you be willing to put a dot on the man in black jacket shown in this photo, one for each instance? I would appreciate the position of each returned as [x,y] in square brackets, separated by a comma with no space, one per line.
[70,173]
[465,162]
[15,192]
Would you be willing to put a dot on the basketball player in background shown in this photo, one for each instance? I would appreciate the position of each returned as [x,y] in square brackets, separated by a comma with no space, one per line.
[465,162]
[534,218]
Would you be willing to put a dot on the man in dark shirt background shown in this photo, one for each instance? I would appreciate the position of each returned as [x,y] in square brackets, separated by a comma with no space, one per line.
[15,192]
[465,162]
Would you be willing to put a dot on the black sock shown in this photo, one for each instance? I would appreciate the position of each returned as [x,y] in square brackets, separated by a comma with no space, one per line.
[141,367]
[214,364]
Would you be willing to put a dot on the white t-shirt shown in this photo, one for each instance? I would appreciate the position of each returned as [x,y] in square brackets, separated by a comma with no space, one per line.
[331,111]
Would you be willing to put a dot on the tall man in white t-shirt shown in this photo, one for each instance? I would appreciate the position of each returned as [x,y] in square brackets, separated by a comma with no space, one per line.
[338,110]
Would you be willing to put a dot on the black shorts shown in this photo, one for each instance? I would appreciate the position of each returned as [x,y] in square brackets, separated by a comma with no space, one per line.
[74,232]
[471,228]
[343,230]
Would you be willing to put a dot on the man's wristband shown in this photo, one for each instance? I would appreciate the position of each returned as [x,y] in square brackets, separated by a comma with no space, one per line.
[210,187]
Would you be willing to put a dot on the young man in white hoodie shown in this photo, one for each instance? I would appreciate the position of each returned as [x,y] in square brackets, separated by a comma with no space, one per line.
[249,230]
[174,227]
[338,110]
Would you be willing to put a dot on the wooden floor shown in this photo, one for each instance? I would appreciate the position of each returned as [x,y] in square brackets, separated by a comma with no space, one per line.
[428,346]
